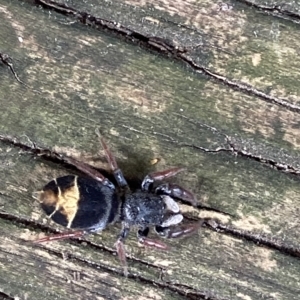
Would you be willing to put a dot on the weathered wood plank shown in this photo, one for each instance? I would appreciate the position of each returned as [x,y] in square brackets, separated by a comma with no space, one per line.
[149,106]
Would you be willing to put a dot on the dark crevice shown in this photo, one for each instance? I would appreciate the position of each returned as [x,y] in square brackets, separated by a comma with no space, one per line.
[239,85]
[33,225]
[231,147]
[237,151]
[161,46]
[56,157]
[228,146]
[95,246]
[276,10]
[33,149]
[183,290]
[258,239]
[7,61]
[43,153]
[188,292]
[4,296]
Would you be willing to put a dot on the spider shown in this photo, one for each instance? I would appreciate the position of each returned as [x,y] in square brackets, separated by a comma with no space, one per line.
[89,204]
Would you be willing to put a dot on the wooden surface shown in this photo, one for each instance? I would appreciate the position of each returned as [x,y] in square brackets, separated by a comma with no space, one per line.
[208,85]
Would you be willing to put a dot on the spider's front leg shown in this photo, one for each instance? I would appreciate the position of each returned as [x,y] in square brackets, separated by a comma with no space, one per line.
[178,231]
[176,191]
[159,176]
[170,189]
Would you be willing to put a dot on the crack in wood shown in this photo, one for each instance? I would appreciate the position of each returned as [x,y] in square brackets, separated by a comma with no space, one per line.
[7,61]
[210,223]
[31,224]
[55,157]
[35,150]
[275,10]
[240,152]
[183,290]
[256,238]
[95,246]
[235,150]
[162,46]
[4,296]
[259,239]
[167,47]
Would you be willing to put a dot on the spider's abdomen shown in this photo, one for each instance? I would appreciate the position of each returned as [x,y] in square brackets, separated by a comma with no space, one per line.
[78,202]
[142,208]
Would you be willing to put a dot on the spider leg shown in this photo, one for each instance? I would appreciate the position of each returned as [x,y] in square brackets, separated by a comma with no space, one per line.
[88,170]
[60,236]
[119,244]
[113,163]
[180,231]
[159,176]
[122,255]
[142,237]
[176,191]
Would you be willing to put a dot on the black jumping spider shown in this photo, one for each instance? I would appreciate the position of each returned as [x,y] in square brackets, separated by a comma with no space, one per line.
[89,204]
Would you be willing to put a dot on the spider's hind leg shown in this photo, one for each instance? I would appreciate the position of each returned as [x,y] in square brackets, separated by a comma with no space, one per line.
[120,247]
[61,236]
[113,163]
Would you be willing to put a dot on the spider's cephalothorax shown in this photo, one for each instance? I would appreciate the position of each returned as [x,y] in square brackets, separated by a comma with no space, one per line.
[90,203]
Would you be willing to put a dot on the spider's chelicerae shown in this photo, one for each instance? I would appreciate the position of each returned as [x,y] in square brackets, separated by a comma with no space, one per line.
[89,204]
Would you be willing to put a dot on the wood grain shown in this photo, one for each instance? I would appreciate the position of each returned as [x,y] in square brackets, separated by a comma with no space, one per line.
[205,85]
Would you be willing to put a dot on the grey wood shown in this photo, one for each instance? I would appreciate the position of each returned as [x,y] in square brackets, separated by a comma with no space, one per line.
[240,145]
